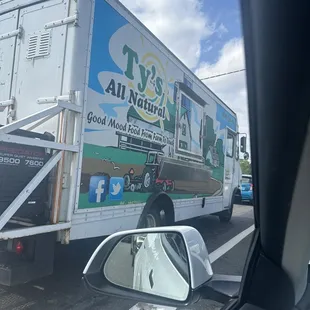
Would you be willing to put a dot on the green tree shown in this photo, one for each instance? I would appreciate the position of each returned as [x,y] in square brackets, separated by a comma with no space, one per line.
[245,166]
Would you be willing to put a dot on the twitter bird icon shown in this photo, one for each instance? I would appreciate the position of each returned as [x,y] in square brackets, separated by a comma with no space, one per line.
[116,188]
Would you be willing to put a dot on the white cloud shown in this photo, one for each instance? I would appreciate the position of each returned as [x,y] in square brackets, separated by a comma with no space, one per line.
[230,88]
[221,30]
[179,24]
[182,26]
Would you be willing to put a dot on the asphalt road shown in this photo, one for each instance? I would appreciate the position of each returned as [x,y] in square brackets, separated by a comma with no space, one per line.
[64,290]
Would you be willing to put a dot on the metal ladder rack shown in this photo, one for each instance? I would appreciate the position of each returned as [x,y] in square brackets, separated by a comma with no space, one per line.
[69,108]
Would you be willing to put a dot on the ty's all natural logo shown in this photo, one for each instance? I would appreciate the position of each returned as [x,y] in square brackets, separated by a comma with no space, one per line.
[147,87]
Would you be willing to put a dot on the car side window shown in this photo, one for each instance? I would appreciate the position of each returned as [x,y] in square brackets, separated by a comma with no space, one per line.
[246,180]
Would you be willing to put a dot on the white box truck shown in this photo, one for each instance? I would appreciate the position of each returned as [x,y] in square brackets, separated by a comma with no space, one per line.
[103,129]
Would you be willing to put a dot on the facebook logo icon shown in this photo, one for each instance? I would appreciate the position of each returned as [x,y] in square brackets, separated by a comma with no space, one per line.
[98,188]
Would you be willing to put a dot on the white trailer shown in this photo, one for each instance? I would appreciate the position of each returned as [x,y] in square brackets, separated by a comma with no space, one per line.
[104,129]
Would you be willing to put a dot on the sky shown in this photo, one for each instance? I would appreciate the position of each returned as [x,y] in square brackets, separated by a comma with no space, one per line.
[206,35]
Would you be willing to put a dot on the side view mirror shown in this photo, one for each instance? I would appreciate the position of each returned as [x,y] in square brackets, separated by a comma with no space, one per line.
[166,265]
[243,144]
[246,156]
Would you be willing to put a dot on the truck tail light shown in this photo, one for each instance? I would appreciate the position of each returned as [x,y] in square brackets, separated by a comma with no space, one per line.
[19,247]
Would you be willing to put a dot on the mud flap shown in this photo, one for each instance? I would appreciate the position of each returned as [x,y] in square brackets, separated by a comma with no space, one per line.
[237,198]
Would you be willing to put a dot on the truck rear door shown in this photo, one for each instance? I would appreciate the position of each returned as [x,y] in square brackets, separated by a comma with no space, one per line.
[8,34]
[39,57]
[32,64]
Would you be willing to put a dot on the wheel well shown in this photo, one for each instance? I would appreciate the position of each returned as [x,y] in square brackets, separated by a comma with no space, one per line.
[236,197]
[160,201]
[164,202]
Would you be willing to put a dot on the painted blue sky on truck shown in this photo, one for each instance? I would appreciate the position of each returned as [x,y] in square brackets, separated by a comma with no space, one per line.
[101,61]
[225,118]
[208,40]
[101,52]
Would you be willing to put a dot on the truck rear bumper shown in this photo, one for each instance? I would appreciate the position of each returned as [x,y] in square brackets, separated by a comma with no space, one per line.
[17,269]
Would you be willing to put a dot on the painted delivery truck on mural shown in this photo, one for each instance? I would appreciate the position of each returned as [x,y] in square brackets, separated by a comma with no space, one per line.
[102,129]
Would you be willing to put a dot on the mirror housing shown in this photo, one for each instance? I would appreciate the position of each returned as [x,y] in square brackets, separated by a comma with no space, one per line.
[198,265]
[243,144]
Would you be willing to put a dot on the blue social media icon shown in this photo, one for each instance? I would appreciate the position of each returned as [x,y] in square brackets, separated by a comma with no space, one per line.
[116,188]
[98,189]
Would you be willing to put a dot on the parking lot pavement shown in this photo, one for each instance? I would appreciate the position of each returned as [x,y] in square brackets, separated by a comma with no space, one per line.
[64,290]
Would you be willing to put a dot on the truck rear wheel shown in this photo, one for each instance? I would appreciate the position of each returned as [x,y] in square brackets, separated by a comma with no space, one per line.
[152,218]
[225,216]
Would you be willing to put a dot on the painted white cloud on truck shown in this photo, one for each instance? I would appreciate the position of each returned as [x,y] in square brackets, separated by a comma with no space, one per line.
[179,24]
[162,22]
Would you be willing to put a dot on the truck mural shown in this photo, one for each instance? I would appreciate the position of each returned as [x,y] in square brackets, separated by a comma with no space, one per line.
[118,120]
[148,181]
[147,122]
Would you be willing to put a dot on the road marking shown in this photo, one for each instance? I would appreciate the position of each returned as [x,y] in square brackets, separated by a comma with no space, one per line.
[215,255]
[25,306]
[38,287]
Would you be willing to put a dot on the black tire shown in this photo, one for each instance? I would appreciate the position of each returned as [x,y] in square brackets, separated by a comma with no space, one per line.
[225,216]
[147,180]
[127,182]
[153,215]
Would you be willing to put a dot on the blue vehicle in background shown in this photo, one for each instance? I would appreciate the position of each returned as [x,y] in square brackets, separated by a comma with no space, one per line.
[247,189]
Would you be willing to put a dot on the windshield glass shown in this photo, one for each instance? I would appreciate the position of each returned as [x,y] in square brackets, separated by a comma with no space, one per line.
[155,106]
[246,179]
